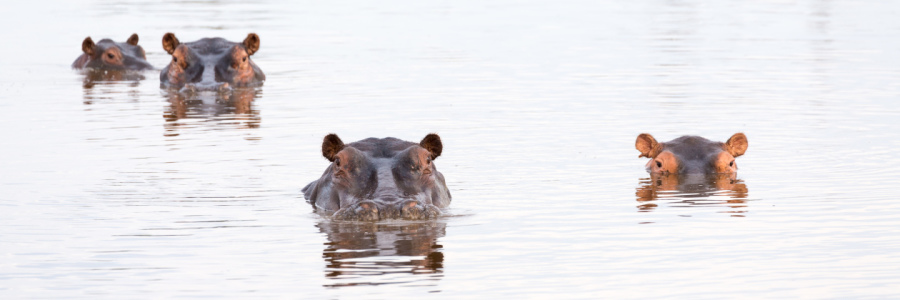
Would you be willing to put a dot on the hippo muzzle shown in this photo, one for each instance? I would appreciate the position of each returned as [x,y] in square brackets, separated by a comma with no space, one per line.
[207,83]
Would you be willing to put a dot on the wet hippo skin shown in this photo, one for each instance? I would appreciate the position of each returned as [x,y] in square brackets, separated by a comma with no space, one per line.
[375,179]
[109,55]
[691,154]
[211,64]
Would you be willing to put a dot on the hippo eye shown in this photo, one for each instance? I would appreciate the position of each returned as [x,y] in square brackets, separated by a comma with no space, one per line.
[110,55]
[175,59]
[337,162]
[658,164]
[731,164]
[245,59]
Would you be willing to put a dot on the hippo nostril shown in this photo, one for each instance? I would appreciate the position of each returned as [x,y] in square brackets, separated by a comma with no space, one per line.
[224,87]
[387,198]
[220,87]
[189,88]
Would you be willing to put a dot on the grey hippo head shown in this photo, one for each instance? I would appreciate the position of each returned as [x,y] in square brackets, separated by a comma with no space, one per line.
[376,179]
[211,64]
[691,154]
[109,55]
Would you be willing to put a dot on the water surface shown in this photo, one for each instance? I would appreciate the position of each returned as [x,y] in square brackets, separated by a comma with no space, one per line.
[117,189]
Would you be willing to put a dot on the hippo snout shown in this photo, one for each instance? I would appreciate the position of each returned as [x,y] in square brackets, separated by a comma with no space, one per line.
[219,87]
[372,210]
[389,199]
[134,63]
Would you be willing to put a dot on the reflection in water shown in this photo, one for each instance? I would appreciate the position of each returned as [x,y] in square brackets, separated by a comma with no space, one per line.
[694,190]
[382,253]
[102,84]
[235,107]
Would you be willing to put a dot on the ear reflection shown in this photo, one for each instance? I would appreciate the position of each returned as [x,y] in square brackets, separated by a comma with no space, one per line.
[693,190]
[375,254]
[234,108]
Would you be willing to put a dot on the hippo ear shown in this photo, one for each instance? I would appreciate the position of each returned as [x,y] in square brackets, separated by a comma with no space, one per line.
[331,145]
[170,42]
[132,40]
[647,145]
[432,143]
[251,43]
[736,145]
[88,46]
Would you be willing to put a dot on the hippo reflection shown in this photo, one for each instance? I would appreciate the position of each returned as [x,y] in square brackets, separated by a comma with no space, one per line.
[691,154]
[210,64]
[107,90]
[376,179]
[693,190]
[362,253]
[109,55]
[233,108]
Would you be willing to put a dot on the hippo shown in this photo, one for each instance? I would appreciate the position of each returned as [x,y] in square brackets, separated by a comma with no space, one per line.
[109,55]
[691,154]
[210,64]
[375,179]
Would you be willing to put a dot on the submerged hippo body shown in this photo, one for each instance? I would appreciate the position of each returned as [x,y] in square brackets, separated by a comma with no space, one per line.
[691,154]
[211,64]
[376,179]
[109,55]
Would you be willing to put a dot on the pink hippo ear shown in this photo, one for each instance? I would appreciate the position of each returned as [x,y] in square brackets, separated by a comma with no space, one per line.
[251,43]
[432,143]
[88,46]
[647,145]
[736,145]
[331,145]
[170,42]
[133,39]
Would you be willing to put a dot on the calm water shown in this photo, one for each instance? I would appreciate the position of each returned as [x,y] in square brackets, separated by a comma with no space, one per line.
[114,189]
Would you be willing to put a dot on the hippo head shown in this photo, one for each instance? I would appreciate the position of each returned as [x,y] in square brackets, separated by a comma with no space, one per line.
[109,55]
[375,179]
[691,154]
[211,64]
